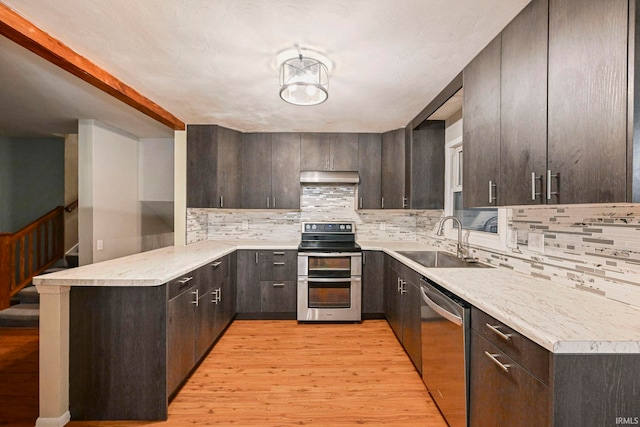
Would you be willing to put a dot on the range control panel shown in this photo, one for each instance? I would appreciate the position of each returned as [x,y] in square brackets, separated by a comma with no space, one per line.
[328,227]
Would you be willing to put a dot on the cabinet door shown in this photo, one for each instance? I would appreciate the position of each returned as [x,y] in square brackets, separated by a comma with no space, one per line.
[278,296]
[503,398]
[181,332]
[369,169]
[285,171]
[248,282]
[344,151]
[315,152]
[427,166]
[229,170]
[205,322]
[394,303]
[481,128]
[523,111]
[588,100]
[411,338]
[372,282]
[256,170]
[202,166]
[393,169]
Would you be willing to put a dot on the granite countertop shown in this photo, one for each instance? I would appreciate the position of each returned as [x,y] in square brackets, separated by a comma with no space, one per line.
[560,319]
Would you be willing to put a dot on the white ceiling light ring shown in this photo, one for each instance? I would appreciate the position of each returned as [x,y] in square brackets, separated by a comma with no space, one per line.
[303,80]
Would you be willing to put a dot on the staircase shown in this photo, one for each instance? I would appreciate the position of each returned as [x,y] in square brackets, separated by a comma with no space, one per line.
[24,311]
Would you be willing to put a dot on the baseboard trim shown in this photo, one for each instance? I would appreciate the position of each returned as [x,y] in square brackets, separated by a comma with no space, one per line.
[61,421]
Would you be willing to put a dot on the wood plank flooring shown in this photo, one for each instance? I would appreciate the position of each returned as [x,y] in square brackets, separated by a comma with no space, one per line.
[281,373]
[19,374]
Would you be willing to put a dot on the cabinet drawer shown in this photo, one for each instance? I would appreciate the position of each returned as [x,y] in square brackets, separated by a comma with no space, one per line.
[212,274]
[278,297]
[530,355]
[275,255]
[181,284]
[503,393]
[279,270]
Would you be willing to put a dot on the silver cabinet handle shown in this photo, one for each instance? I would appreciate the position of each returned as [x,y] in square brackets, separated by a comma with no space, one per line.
[195,301]
[256,257]
[364,258]
[278,263]
[403,287]
[185,280]
[361,203]
[326,164]
[216,264]
[549,177]
[405,202]
[268,202]
[216,296]
[278,285]
[499,364]
[222,201]
[495,330]
[492,197]
[332,162]
[382,202]
[274,202]
[398,284]
[278,253]
[534,178]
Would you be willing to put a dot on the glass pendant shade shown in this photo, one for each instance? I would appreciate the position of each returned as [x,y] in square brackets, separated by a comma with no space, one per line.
[304,81]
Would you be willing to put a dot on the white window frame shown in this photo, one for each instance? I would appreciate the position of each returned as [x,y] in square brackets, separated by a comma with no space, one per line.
[495,241]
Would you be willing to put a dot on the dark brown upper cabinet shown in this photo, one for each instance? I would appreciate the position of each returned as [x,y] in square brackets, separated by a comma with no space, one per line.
[213,167]
[329,151]
[481,128]
[523,107]
[426,166]
[271,170]
[369,169]
[393,169]
[547,116]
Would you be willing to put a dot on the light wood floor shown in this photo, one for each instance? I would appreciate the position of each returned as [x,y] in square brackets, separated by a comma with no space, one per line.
[281,373]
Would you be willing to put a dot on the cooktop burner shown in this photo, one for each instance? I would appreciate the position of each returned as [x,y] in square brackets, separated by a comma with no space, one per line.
[328,237]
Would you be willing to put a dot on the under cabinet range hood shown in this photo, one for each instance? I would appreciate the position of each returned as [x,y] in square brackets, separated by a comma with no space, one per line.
[329,177]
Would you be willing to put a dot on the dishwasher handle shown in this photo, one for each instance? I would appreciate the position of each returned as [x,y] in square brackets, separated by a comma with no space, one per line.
[451,317]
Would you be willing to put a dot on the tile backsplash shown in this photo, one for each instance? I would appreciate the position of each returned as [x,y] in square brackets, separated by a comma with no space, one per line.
[594,248]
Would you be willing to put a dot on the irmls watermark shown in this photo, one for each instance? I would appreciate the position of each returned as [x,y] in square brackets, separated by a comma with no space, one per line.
[627,421]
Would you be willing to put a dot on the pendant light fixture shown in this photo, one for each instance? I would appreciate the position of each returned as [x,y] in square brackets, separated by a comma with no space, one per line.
[304,79]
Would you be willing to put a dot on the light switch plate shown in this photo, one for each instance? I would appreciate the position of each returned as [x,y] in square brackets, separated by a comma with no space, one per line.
[536,242]
[383,226]
[245,225]
[99,244]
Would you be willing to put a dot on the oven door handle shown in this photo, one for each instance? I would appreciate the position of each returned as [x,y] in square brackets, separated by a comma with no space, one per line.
[440,310]
[329,280]
[330,254]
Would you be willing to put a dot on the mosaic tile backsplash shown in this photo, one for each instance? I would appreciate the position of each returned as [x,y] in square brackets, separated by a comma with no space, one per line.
[593,248]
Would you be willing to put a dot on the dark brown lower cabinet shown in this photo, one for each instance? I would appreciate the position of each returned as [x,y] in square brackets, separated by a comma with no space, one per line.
[502,392]
[373,284]
[131,347]
[278,297]
[402,308]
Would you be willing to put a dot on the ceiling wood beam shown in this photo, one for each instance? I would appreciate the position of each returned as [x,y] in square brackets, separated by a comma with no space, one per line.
[27,35]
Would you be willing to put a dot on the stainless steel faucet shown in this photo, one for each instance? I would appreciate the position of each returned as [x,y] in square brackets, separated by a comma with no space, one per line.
[440,232]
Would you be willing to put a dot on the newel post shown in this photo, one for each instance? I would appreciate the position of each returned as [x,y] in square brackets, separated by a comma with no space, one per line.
[6,269]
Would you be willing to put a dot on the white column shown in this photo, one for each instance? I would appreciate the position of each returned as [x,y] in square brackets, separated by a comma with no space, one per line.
[54,356]
[180,188]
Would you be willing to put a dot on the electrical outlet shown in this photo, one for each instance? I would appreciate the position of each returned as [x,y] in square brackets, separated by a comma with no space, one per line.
[245,225]
[512,238]
[536,242]
[100,244]
[383,226]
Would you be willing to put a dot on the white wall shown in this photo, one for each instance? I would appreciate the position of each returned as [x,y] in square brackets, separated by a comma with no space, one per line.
[156,169]
[108,192]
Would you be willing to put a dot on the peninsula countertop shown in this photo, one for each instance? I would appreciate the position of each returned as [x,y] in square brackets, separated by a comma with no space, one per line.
[559,318]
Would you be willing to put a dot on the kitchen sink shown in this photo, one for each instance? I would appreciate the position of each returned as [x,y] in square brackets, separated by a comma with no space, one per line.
[439,259]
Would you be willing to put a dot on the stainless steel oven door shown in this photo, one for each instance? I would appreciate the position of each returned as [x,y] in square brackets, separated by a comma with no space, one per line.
[329,287]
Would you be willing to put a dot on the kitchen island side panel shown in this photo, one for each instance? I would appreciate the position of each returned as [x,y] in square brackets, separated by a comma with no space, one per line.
[118,353]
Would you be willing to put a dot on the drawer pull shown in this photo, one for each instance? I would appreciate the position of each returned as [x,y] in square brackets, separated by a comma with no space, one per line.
[278,253]
[278,263]
[499,364]
[185,280]
[195,301]
[278,285]
[494,329]
[216,264]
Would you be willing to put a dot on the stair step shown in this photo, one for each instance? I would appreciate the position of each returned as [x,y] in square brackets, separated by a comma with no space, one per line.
[28,295]
[20,315]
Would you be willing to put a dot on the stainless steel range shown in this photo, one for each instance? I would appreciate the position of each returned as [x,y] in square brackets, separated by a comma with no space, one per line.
[329,273]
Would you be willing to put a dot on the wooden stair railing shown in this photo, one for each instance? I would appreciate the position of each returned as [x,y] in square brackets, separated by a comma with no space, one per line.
[29,252]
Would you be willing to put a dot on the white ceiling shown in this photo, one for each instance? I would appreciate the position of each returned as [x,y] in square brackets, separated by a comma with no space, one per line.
[213,61]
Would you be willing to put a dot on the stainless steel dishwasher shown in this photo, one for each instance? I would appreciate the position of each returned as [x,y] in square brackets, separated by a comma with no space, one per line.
[445,334]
